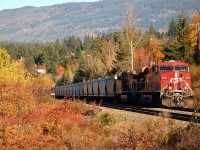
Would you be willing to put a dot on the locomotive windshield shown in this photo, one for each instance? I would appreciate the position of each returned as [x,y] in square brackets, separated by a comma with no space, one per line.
[182,68]
[166,68]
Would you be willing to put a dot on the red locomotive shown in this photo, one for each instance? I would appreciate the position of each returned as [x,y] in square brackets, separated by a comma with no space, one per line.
[166,83]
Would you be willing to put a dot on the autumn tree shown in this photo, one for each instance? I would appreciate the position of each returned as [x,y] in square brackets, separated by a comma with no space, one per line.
[194,36]
[108,55]
[131,34]
[13,77]
[4,58]
[154,49]
[41,86]
[60,69]
[142,59]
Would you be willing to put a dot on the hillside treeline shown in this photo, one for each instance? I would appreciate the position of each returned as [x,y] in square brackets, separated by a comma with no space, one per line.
[36,24]
[77,60]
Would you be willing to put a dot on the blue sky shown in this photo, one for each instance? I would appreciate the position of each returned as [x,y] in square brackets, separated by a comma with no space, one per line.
[10,4]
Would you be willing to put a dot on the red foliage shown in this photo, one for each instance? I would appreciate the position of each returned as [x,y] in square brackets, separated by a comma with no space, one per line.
[139,54]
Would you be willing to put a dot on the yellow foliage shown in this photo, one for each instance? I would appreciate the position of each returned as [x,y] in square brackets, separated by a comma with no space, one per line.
[70,72]
[4,58]
[41,86]
[15,92]
[194,27]
[43,81]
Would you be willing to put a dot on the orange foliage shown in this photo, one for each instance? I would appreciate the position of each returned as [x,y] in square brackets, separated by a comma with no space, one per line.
[154,48]
[60,69]
[139,54]
[152,53]
[141,59]
[50,126]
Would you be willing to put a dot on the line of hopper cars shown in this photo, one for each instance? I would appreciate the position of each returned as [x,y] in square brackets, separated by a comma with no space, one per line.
[167,83]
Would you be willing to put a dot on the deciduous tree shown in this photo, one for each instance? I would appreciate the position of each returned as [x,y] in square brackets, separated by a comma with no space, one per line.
[194,36]
[131,33]
[154,50]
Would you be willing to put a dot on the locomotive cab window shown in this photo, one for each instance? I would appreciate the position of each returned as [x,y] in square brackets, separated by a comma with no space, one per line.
[166,68]
[181,68]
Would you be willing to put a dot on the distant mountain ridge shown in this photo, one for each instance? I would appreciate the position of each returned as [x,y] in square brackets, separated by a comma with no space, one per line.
[41,24]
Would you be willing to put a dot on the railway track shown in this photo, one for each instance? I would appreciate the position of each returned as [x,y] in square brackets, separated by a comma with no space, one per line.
[177,114]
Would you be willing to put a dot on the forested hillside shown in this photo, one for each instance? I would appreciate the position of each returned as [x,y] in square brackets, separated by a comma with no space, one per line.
[47,23]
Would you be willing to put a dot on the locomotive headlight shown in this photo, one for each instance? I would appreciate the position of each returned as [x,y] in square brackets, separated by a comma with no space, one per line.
[187,84]
[176,74]
[115,77]
[170,87]
[164,78]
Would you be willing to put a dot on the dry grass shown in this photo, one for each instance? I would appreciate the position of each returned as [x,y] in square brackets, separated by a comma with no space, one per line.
[67,125]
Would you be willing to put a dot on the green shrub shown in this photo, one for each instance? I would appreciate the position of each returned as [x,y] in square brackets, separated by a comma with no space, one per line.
[107,119]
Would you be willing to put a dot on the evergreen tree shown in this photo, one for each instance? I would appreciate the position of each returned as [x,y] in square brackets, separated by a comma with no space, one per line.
[172,29]
[87,42]
[29,63]
[62,81]
[74,44]
[51,68]
[40,59]
[171,52]
[180,49]
[182,29]
[57,44]
[152,31]
[63,54]
[122,52]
